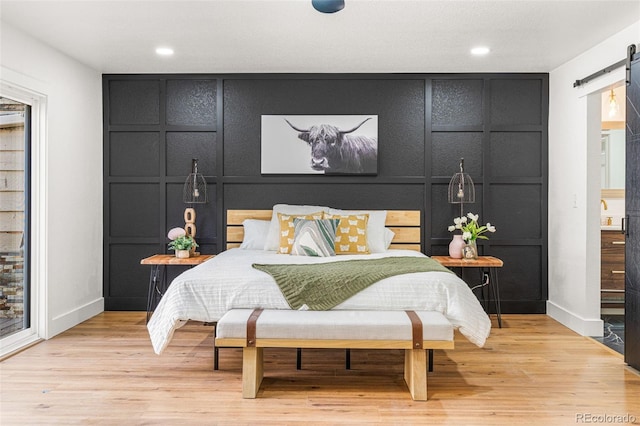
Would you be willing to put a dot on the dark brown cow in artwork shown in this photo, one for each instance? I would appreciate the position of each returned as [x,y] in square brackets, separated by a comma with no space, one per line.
[337,151]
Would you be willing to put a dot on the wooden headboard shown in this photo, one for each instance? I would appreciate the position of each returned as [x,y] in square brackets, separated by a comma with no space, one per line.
[404,223]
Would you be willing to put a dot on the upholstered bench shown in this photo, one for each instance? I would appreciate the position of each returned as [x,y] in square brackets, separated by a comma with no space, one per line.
[414,331]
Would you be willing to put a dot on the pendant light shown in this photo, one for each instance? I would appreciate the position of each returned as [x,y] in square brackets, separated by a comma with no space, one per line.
[461,189]
[194,191]
[613,104]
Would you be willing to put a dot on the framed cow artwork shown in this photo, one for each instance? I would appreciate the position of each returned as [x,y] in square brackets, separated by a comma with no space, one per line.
[319,144]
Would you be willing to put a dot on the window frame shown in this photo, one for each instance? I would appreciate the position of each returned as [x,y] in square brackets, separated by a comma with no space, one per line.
[35,213]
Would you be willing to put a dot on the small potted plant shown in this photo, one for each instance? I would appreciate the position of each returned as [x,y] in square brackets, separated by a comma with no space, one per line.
[182,245]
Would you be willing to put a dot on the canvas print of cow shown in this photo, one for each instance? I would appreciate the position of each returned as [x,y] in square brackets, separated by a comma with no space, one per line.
[319,144]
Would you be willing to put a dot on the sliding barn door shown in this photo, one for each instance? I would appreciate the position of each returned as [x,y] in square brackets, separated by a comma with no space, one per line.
[632,222]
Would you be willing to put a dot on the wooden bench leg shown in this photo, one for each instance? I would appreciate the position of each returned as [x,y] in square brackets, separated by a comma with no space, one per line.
[415,373]
[251,371]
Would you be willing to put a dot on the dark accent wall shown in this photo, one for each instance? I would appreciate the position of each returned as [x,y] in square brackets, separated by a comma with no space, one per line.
[155,124]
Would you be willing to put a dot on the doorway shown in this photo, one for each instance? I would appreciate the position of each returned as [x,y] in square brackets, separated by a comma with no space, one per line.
[612,212]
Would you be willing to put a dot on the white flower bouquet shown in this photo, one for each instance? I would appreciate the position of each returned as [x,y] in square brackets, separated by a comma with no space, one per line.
[470,228]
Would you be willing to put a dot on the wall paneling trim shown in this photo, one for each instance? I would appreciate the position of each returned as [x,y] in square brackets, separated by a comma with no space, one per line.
[155,124]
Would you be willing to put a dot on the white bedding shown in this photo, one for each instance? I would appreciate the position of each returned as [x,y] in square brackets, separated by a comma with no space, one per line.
[228,281]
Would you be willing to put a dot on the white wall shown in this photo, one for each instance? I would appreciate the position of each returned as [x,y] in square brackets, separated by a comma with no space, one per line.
[574,183]
[71,277]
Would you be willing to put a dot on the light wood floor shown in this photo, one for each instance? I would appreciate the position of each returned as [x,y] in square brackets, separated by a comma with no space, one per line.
[532,371]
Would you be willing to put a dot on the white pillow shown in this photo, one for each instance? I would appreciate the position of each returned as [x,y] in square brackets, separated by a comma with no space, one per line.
[272,242]
[388,237]
[375,227]
[255,234]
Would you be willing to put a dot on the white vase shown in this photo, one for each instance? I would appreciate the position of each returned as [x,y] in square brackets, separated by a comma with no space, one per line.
[182,254]
[455,247]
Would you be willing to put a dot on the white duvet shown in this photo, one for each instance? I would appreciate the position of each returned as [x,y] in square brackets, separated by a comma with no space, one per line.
[207,291]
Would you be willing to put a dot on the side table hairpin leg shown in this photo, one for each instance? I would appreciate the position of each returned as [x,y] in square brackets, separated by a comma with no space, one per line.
[154,279]
[159,264]
[495,289]
[489,278]
[488,266]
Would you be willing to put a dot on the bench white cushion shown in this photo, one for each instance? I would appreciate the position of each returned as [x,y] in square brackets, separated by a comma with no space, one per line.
[334,325]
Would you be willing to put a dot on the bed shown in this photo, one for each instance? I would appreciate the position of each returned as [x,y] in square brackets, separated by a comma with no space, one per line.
[228,281]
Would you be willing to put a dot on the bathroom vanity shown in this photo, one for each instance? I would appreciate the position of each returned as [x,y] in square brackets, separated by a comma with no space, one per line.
[612,272]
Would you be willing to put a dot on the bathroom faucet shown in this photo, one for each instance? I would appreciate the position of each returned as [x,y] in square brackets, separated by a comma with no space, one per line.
[604,203]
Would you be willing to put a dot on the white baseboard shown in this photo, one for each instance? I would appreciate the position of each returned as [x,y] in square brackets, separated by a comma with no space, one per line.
[70,319]
[582,326]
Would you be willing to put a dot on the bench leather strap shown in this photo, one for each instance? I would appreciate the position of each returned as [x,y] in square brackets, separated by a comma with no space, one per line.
[416,329]
[251,327]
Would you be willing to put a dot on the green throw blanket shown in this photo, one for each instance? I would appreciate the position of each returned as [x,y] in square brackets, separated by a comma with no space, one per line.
[323,286]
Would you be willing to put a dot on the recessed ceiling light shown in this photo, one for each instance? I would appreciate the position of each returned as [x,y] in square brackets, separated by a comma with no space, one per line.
[164,51]
[480,50]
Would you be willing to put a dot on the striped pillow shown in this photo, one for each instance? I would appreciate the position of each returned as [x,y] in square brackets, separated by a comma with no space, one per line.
[287,231]
[314,237]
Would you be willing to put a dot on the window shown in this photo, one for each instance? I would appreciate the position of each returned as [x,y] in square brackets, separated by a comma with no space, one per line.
[22,212]
[14,216]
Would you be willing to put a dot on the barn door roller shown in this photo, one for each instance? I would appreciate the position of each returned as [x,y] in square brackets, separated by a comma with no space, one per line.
[631,50]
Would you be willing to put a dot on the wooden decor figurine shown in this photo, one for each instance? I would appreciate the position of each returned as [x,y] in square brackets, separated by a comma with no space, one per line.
[190,227]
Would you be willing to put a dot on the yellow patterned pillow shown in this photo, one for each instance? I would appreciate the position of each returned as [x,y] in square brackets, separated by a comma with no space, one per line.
[286,229]
[351,236]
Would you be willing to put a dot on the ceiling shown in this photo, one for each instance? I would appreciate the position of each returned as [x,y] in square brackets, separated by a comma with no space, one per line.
[246,36]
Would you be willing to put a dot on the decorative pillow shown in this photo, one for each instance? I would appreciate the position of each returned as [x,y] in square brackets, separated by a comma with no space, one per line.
[388,237]
[287,231]
[314,237]
[255,234]
[273,237]
[351,236]
[375,227]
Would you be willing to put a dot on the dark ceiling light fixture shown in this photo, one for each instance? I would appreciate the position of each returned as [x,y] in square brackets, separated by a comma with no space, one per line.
[328,6]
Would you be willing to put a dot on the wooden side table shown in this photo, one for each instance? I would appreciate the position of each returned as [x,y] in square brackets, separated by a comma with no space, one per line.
[155,279]
[485,263]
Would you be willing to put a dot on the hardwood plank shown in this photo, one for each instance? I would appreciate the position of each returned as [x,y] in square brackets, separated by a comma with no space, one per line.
[339,344]
[480,262]
[402,235]
[406,235]
[235,234]
[170,259]
[533,370]
[403,218]
[394,217]
[415,247]
[236,217]
[404,223]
